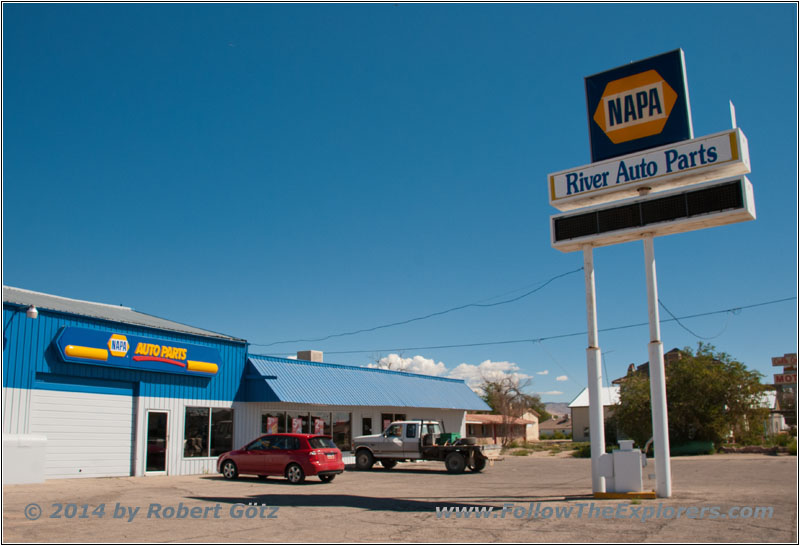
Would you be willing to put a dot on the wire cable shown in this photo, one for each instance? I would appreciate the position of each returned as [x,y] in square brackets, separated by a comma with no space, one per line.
[431,315]
[698,336]
[733,310]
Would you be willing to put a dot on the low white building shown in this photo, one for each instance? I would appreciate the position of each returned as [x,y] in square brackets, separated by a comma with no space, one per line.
[579,409]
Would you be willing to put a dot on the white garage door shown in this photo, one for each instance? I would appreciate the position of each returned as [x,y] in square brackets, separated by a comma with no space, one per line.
[88,434]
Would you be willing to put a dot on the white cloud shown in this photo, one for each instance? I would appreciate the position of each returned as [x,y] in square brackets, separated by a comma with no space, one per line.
[492,371]
[562,378]
[545,372]
[552,393]
[473,375]
[417,364]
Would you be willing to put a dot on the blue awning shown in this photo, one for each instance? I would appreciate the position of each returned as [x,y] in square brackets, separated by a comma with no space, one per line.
[273,379]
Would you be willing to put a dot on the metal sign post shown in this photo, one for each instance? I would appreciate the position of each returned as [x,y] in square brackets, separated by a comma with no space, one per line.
[649,177]
[597,435]
[658,384]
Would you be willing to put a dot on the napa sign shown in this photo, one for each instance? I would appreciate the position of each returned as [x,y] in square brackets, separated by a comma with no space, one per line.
[638,106]
[719,155]
[105,348]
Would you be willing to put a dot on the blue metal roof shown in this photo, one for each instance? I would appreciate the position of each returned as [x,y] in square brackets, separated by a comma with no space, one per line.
[303,382]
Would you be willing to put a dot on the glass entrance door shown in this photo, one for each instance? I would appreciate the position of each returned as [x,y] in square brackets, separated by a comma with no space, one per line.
[156,458]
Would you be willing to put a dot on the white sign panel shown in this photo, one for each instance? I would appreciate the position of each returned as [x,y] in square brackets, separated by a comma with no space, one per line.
[691,161]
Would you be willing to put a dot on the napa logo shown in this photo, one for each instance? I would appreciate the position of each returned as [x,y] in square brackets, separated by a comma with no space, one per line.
[118,345]
[635,107]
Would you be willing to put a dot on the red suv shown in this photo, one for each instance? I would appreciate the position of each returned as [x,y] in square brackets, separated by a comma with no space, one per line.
[292,455]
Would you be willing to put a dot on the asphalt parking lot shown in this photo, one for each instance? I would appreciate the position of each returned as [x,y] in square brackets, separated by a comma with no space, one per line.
[533,499]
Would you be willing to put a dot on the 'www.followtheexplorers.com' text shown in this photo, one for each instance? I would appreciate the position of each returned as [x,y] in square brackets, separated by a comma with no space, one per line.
[588,510]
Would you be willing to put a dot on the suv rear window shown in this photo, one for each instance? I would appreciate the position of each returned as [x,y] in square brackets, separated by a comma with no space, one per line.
[319,442]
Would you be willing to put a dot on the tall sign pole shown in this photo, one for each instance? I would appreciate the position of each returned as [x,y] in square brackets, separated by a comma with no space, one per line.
[593,366]
[658,383]
[649,177]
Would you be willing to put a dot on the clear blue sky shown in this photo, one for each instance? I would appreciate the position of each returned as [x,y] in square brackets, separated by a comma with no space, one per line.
[281,172]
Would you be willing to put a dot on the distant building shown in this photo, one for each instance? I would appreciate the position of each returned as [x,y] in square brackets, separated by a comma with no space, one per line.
[558,423]
[775,423]
[494,429]
[580,411]
[669,357]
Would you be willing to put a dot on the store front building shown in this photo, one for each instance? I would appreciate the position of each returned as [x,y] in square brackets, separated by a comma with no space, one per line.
[96,390]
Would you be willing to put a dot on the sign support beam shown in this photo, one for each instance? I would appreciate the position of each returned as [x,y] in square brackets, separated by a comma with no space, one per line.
[597,434]
[658,387]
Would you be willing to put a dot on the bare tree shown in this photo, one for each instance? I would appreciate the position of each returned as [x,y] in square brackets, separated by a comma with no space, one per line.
[507,398]
[379,361]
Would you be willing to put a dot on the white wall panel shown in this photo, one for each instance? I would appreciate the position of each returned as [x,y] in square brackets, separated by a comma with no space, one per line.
[16,403]
[88,434]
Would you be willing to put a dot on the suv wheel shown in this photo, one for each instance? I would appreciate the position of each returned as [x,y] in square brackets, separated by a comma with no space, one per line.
[294,473]
[229,470]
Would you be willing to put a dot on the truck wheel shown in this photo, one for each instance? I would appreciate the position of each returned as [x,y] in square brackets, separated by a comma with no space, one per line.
[479,465]
[388,464]
[455,463]
[364,459]
[469,441]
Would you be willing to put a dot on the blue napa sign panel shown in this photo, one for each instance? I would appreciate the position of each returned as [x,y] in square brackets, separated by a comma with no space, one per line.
[107,348]
[641,105]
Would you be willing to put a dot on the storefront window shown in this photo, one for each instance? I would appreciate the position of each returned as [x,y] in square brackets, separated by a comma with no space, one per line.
[207,432]
[195,442]
[342,431]
[388,418]
[366,426]
[297,422]
[273,422]
[221,431]
[321,423]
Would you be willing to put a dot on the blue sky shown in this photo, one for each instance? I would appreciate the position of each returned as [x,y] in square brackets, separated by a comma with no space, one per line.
[283,172]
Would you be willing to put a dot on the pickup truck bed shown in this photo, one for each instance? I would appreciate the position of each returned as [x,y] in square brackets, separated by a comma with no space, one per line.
[405,441]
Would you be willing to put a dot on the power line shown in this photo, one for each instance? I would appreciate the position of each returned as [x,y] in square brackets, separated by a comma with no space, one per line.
[431,315]
[698,336]
[734,310]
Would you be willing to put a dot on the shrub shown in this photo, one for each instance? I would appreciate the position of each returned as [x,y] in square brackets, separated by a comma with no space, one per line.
[792,447]
[584,450]
[782,440]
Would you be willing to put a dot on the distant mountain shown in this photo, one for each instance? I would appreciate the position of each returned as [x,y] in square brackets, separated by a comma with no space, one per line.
[557,408]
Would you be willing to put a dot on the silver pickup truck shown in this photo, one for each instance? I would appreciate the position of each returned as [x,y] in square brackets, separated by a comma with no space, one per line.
[422,440]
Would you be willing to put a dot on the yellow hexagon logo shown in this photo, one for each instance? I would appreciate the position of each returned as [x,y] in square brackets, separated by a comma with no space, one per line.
[635,107]
[118,345]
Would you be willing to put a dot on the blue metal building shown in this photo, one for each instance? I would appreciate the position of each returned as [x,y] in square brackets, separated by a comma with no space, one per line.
[91,389]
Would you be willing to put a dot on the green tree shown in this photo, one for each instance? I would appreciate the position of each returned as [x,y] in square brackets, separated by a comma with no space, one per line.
[709,397]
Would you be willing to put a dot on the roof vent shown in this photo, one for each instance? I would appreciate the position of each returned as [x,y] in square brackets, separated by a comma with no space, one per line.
[310,356]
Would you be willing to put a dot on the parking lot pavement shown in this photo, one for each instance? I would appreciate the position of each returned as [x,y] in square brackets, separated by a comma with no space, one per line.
[532,499]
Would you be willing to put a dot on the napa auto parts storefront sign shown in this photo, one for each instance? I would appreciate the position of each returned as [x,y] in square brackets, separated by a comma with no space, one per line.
[715,156]
[108,348]
[640,132]
[638,106]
